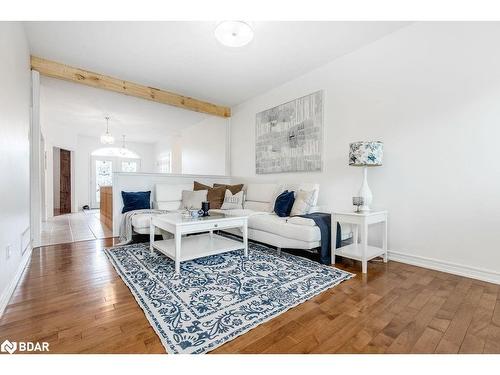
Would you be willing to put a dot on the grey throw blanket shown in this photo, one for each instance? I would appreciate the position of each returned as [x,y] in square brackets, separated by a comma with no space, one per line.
[126,223]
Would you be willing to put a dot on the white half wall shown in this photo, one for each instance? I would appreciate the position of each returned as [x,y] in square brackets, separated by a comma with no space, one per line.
[430,92]
[146,182]
[15,102]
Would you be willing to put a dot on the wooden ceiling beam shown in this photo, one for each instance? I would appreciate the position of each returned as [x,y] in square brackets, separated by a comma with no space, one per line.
[68,73]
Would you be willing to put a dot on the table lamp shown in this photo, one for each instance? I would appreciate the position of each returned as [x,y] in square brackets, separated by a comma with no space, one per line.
[366,154]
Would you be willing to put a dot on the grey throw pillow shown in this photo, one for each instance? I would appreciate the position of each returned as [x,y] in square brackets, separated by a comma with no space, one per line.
[191,200]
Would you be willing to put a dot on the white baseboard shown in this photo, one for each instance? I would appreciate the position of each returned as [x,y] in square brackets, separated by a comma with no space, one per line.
[439,265]
[5,297]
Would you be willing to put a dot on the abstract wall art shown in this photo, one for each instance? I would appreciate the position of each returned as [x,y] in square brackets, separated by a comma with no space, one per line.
[289,137]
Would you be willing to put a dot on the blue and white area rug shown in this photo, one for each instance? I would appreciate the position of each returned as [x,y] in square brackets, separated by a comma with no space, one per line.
[219,297]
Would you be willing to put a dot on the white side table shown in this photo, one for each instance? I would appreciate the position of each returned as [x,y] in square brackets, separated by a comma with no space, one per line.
[360,221]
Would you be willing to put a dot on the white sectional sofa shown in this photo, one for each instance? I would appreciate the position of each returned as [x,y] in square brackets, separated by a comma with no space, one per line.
[263,225]
[267,227]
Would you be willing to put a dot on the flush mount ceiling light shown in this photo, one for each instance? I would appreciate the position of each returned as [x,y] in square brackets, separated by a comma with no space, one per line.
[234,33]
[106,138]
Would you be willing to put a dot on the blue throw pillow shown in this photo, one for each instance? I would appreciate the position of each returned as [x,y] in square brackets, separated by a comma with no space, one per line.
[283,204]
[136,200]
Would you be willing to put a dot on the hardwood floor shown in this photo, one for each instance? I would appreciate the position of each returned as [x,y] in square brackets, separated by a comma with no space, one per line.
[71,296]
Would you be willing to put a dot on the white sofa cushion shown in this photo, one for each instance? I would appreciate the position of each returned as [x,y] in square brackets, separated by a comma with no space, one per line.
[169,196]
[345,229]
[258,196]
[257,206]
[297,220]
[278,225]
[170,206]
[261,197]
[235,212]
[274,239]
[141,220]
[261,192]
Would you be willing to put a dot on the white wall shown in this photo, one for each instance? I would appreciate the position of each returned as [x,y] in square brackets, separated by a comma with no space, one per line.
[173,146]
[15,99]
[204,147]
[177,156]
[60,136]
[56,136]
[85,147]
[431,93]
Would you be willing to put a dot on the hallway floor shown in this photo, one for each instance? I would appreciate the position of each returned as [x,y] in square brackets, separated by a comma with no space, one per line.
[81,226]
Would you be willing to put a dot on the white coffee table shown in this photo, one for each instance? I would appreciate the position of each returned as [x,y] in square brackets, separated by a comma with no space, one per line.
[200,245]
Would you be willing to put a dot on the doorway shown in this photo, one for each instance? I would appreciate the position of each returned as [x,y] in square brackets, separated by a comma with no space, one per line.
[62,181]
[65,183]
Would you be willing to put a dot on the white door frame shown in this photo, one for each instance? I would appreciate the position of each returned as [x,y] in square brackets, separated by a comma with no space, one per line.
[35,162]
[43,187]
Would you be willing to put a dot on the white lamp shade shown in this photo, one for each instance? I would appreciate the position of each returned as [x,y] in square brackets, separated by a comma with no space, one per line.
[366,153]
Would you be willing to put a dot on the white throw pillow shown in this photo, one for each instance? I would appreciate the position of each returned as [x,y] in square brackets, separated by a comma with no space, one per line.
[303,202]
[232,201]
[193,199]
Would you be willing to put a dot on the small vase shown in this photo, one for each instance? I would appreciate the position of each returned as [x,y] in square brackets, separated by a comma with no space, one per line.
[205,207]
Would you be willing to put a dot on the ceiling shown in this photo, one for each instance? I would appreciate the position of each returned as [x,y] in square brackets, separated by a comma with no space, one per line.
[81,110]
[185,57]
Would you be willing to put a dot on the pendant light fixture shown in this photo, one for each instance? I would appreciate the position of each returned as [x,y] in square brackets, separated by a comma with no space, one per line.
[107,138]
[123,150]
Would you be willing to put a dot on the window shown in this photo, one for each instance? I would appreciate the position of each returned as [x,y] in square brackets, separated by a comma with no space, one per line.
[164,163]
[129,166]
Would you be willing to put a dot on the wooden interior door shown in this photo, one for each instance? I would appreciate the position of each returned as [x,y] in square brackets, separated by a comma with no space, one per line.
[65,182]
